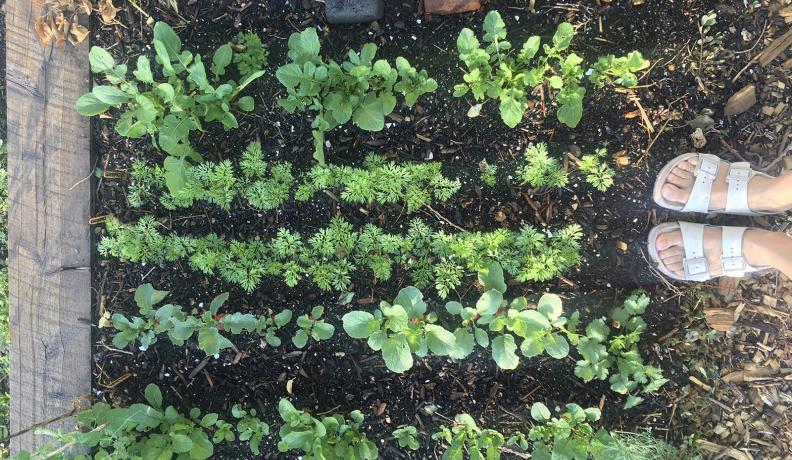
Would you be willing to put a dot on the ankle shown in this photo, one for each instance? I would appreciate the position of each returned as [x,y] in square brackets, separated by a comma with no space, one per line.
[774,195]
[762,249]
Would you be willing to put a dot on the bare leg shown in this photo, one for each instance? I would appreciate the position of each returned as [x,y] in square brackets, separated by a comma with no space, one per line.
[764,194]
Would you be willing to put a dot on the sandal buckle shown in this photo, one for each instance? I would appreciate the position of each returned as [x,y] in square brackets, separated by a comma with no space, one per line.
[739,171]
[733,263]
[696,266]
[707,169]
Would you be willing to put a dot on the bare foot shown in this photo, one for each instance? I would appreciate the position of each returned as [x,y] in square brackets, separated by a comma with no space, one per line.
[671,250]
[679,184]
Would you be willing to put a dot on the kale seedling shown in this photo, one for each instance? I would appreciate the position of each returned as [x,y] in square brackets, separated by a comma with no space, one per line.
[332,438]
[170,110]
[312,327]
[401,329]
[360,89]
[465,436]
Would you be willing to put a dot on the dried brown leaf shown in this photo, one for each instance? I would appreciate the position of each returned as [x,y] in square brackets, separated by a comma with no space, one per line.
[44,31]
[77,34]
[107,11]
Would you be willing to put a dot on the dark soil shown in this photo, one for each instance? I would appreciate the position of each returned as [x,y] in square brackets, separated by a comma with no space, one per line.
[341,375]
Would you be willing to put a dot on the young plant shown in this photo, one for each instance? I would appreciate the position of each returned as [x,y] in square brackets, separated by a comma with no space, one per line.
[407,436]
[465,436]
[610,70]
[568,437]
[312,327]
[401,329]
[511,76]
[597,172]
[251,56]
[251,429]
[330,256]
[541,170]
[386,182]
[170,110]
[138,431]
[267,186]
[601,351]
[180,326]
[332,438]
[488,173]
[538,328]
[359,89]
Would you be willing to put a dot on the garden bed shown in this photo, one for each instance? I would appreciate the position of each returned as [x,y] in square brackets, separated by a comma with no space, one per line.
[641,128]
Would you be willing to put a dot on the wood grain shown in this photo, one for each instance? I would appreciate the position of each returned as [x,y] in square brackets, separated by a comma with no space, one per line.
[49,240]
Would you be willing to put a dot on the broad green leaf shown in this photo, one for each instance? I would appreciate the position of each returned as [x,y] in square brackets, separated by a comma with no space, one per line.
[143,72]
[303,46]
[494,26]
[533,345]
[89,105]
[467,41]
[300,339]
[489,302]
[463,346]
[592,414]
[540,412]
[110,95]
[397,355]
[246,103]
[290,75]
[440,341]
[146,297]
[175,173]
[221,59]
[323,331]
[218,302]
[570,113]
[360,324]
[503,351]
[181,443]
[153,395]
[202,447]
[211,342]
[482,338]
[530,48]
[563,36]
[632,401]
[597,330]
[369,115]
[550,305]
[511,111]
[557,346]
[101,61]
[165,34]
[411,299]
[454,307]
[491,277]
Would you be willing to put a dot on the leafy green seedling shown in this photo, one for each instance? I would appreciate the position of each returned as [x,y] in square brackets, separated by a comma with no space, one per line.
[401,330]
[251,429]
[179,326]
[359,89]
[567,437]
[407,436]
[465,436]
[312,327]
[332,438]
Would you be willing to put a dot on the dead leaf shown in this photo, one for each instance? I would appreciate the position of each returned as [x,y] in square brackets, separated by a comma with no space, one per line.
[741,101]
[44,32]
[77,34]
[698,138]
[475,110]
[107,11]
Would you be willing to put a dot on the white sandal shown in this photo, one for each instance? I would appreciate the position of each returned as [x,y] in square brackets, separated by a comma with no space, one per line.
[733,264]
[740,174]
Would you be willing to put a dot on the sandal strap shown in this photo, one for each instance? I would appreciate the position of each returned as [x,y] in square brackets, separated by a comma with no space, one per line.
[706,172]
[737,196]
[695,263]
[732,261]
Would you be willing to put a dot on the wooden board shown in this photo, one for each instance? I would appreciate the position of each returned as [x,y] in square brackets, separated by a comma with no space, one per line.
[49,165]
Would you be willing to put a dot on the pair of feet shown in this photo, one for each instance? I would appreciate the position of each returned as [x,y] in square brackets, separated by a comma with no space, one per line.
[764,193]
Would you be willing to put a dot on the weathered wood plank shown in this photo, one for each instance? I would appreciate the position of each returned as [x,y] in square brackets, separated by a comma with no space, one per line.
[49,236]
